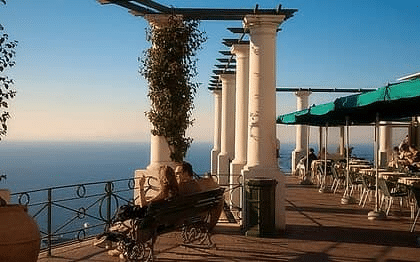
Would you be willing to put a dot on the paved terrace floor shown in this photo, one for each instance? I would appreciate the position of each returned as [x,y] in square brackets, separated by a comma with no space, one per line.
[318,228]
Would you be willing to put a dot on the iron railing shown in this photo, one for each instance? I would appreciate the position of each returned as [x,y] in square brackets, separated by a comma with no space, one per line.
[72,213]
[234,196]
[75,212]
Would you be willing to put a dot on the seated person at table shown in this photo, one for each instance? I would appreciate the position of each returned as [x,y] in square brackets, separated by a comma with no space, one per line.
[304,166]
[393,163]
[307,160]
[405,155]
[414,162]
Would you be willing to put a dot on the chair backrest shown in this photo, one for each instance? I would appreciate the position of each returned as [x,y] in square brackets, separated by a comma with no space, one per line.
[416,193]
[334,171]
[383,186]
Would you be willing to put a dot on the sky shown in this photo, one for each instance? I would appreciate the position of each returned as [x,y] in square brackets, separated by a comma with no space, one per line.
[77,77]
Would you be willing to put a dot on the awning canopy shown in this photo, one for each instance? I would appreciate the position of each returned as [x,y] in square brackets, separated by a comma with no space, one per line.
[391,102]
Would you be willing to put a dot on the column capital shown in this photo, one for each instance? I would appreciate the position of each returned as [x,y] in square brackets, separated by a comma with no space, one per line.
[303,93]
[227,77]
[263,21]
[240,50]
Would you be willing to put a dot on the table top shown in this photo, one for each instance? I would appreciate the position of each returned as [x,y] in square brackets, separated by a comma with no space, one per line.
[408,180]
[371,171]
[391,175]
[359,161]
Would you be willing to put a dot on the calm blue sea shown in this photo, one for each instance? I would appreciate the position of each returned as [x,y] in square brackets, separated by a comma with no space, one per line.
[35,165]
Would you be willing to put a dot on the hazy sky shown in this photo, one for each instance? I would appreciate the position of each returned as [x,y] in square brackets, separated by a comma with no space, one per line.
[77,69]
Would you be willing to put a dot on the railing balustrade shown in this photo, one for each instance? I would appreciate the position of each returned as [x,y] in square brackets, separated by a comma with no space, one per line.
[76,212]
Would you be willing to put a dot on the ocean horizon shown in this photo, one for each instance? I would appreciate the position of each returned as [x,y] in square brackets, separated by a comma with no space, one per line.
[38,165]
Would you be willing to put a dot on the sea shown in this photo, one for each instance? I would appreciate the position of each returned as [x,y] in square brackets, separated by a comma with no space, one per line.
[36,166]
[39,165]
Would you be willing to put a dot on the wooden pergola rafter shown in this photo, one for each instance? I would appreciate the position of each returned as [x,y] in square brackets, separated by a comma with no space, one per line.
[146,7]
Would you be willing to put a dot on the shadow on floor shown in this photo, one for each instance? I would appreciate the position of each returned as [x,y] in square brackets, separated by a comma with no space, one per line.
[351,235]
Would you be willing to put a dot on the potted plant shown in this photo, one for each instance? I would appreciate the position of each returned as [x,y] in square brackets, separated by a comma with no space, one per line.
[19,234]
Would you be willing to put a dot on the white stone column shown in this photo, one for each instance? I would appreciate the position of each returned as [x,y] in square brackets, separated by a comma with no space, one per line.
[227,143]
[241,51]
[301,130]
[385,143]
[217,130]
[261,157]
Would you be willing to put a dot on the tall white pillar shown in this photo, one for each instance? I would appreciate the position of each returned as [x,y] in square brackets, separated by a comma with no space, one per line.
[227,138]
[385,143]
[301,130]
[261,156]
[241,51]
[217,129]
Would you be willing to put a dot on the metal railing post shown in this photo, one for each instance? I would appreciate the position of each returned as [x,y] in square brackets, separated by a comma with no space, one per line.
[108,206]
[49,221]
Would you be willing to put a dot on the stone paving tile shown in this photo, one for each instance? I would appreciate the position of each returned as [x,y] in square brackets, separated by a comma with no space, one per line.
[318,228]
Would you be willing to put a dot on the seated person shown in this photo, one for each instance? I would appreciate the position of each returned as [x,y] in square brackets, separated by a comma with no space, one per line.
[393,163]
[405,155]
[185,178]
[311,157]
[123,222]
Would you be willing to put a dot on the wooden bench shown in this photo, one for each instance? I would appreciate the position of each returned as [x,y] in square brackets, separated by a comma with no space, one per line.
[194,215]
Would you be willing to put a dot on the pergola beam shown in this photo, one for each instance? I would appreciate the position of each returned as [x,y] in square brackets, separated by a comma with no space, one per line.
[154,5]
[144,7]
[324,90]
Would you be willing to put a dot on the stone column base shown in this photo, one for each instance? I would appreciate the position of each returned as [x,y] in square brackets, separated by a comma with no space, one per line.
[223,169]
[274,173]
[214,161]
[236,185]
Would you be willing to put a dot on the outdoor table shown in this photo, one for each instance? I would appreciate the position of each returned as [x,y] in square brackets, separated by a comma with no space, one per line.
[356,168]
[407,180]
[371,171]
[391,175]
[359,162]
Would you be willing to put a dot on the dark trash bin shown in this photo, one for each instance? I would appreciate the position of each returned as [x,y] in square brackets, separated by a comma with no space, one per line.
[260,207]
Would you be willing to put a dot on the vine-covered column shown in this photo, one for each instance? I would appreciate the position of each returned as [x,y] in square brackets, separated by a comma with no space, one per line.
[169,67]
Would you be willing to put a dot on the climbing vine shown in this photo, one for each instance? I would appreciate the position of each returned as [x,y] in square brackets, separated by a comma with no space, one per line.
[169,66]
[7,54]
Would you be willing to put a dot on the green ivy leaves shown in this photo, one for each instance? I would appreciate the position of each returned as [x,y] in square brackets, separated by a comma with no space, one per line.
[170,66]
[7,54]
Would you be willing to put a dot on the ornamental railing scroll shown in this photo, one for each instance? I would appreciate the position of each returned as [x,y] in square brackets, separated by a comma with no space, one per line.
[76,212]
[234,195]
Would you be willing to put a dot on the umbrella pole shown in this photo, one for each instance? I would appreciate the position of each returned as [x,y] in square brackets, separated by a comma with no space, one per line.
[376,214]
[308,175]
[347,198]
[324,188]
